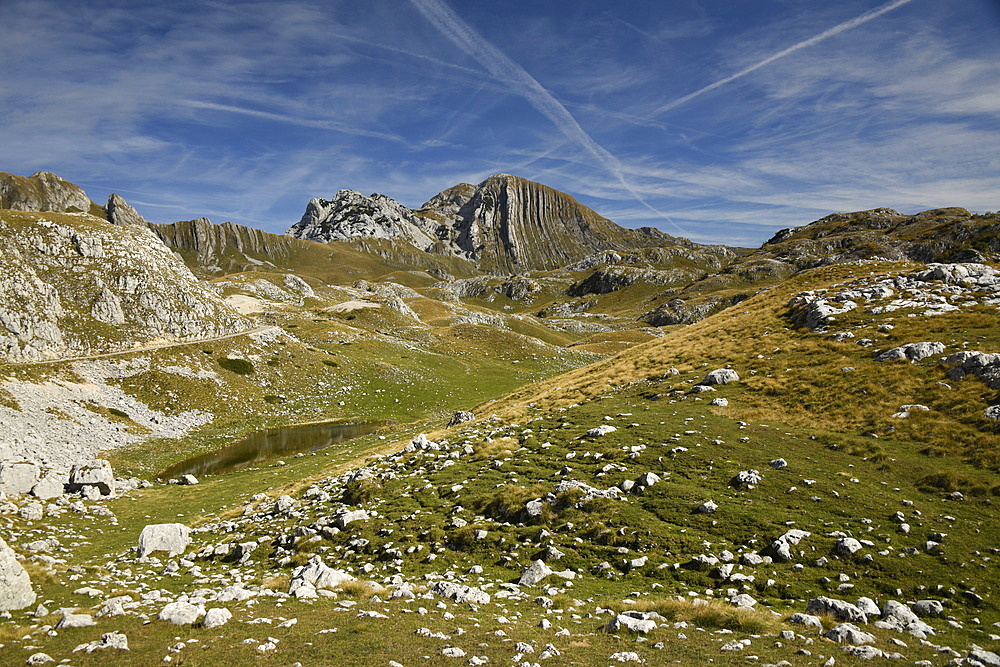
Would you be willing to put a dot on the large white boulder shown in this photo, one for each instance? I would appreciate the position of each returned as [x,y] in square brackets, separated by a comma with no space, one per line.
[15,585]
[96,474]
[171,537]
[18,476]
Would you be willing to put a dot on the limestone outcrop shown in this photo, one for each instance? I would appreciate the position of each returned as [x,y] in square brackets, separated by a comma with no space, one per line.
[42,191]
[75,285]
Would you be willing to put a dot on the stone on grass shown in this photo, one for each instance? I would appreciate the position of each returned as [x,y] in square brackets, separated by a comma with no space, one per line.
[461,417]
[839,609]
[598,431]
[845,546]
[719,402]
[50,485]
[171,537]
[216,617]
[707,507]
[993,412]
[746,479]
[864,652]
[15,585]
[39,659]
[807,620]
[534,573]
[350,517]
[181,613]
[912,352]
[848,633]
[778,464]
[96,475]
[188,480]
[636,622]
[114,640]
[460,592]
[17,477]
[316,575]
[928,608]
[75,621]
[721,376]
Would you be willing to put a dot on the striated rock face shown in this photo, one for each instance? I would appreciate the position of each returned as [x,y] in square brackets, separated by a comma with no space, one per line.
[227,247]
[120,213]
[75,285]
[351,215]
[42,191]
[505,224]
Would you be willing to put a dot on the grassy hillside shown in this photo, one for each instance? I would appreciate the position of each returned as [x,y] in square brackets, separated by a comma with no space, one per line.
[459,512]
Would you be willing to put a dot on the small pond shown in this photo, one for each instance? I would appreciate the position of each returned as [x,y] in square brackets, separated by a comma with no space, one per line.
[273,443]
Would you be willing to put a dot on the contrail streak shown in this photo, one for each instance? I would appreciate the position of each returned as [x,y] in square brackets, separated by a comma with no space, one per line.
[466,38]
[294,120]
[836,30]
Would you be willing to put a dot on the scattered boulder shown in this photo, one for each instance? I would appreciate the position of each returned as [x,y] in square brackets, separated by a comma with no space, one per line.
[15,585]
[848,633]
[534,573]
[314,575]
[707,507]
[96,474]
[188,480]
[632,621]
[912,352]
[721,376]
[598,431]
[171,537]
[746,479]
[181,613]
[845,546]
[114,640]
[807,620]
[719,402]
[839,609]
[69,620]
[17,477]
[928,608]
[778,464]
[51,485]
[461,417]
[460,592]
[216,617]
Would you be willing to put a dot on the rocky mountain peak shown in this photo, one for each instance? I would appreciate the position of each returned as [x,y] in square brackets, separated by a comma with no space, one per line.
[350,215]
[42,191]
[120,213]
[505,224]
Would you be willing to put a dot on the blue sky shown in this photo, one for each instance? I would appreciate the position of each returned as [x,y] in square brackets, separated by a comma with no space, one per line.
[718,120]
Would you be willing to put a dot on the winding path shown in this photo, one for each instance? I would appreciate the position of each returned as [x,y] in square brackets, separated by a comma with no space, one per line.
[146,348]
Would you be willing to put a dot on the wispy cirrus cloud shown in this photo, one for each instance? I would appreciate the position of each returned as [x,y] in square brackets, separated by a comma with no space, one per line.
[798,46]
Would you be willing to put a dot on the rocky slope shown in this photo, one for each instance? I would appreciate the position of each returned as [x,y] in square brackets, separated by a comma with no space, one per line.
[76,285]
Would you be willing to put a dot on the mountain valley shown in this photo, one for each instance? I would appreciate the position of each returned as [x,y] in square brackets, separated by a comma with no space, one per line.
[588,445]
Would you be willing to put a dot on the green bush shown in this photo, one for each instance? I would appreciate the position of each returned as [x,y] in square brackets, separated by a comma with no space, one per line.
[238,366]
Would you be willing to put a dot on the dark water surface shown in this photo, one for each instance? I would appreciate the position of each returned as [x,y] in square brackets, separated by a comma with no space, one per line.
[266,445]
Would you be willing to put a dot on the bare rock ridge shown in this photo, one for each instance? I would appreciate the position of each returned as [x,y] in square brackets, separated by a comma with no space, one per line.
[120,213]
[42,191]
[352,215]
[937,235]
[505,224]
[227,247]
